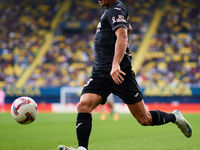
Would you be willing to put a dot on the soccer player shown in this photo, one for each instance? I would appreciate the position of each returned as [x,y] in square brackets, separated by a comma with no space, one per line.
[112,73]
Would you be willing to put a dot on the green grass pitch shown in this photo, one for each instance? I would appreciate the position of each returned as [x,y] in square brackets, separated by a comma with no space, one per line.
[51,129]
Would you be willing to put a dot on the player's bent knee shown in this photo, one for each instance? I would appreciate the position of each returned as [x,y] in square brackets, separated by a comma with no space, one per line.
[83,107]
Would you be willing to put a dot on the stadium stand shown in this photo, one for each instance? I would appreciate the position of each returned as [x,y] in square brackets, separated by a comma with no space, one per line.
[23,24]
[174,55]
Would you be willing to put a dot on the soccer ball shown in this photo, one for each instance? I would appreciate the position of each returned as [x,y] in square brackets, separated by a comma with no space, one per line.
[24,110]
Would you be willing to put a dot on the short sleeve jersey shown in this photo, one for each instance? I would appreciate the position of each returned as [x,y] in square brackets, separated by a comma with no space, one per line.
[115,16]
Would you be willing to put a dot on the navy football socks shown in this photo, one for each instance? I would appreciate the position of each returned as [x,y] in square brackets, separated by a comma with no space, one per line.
[160,117]
[83,128]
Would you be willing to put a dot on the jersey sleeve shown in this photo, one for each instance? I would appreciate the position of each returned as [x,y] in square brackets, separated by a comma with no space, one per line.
[118,18]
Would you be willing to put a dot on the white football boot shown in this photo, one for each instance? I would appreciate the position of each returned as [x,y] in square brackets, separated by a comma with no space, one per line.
[182,124]
[63,147]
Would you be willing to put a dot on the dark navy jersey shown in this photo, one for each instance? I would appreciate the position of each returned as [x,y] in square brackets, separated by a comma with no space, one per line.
[115,16]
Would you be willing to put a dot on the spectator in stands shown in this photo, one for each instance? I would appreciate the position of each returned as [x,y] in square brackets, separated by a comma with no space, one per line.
[22,27]
[174,53]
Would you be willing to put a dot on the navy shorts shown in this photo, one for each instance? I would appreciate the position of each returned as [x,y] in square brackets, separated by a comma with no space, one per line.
[103,85]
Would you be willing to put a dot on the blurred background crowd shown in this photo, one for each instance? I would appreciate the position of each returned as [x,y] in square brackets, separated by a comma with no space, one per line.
[173,56]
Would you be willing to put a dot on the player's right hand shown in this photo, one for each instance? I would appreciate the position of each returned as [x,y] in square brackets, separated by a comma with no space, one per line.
[116,74]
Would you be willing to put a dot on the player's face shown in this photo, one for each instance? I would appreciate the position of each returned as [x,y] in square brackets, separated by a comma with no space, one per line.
[106,3]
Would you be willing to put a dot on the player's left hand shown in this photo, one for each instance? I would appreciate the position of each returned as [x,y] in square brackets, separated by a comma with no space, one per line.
[116,74]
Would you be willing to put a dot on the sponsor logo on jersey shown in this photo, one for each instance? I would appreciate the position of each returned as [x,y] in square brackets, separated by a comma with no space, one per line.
[113,19]
[119,19]
[117,8]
